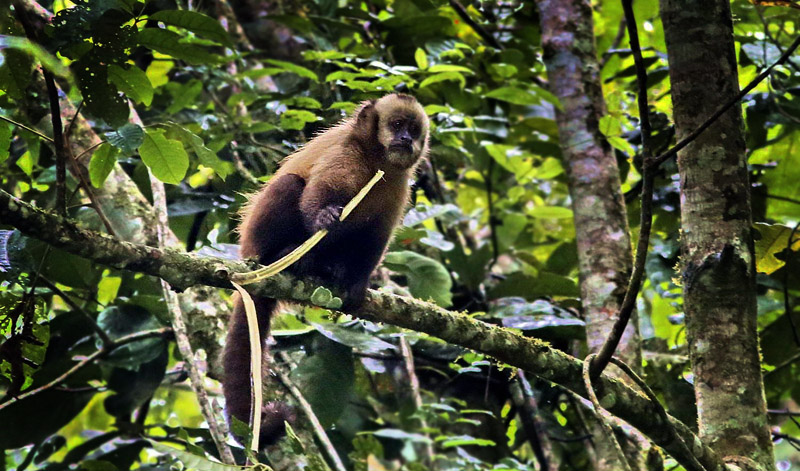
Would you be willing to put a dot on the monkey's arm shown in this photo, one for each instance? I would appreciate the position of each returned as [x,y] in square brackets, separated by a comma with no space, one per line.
[323,200]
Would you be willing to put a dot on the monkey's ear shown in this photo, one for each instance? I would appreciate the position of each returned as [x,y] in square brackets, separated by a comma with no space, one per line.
[366,110]
[367,119]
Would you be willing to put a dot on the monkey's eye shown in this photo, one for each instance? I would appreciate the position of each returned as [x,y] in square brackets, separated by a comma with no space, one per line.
[397,124]
[414,130]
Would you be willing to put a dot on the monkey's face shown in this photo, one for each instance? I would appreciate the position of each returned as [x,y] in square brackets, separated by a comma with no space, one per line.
[404,137]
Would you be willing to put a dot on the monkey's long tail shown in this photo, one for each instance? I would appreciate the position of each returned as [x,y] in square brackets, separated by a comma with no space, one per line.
[237,381]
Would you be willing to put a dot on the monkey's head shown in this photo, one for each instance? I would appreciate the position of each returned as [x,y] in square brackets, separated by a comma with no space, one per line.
[400,125]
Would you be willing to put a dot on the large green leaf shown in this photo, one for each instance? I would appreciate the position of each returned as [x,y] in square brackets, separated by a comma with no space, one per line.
[774,239]
[100,96]
[205,155]
[166,158]
[294,68]
[47,60]
[172,44]
[5,140]
[133,82]
[127,138]
[427,278]
[103,161]
[196,22]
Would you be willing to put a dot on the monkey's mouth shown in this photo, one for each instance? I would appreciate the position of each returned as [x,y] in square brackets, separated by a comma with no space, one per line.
[402,148]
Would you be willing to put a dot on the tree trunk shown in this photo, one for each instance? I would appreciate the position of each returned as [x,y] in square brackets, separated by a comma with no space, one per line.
[717,246]
[601,224]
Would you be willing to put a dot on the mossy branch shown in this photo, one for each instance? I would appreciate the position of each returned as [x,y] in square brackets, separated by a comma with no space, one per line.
[183,270]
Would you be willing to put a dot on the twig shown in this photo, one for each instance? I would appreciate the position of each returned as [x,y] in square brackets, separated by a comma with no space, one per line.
[27,128]
[216,427]
[783,412]
[646,213]
[63,153]
[413,380]
[316,425]
[104,338]
[782,198]
[772,38]
[651,396]
[464,15]
[89,149]
[532,423]
[783,364]
[92,198]
[55,115]
[70,126]
[753,83]
[105,350]
[787,303]
[587,381]
[490,205]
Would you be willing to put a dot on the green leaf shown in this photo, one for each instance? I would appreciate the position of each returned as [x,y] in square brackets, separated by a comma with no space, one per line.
[421,58]
[611,127]
[119,321]
[323,297]
[206,156]
[192,461]
[166,158]
[529,287]
[327,380]
[47,60]
[427,278]
[444,76]
[398,434]
[100,96]
[514,95]
[103,161]
[133,82]
[350,336]
[519,96]
[463,440]
[198,23]
[169,43]
[550,212]
[512,159]
[297,119]
[450,68]
[5,141]
[128,138]
[183,95]
[774,240]
[294,68]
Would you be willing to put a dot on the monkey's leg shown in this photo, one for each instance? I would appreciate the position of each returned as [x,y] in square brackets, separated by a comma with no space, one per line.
[236,383]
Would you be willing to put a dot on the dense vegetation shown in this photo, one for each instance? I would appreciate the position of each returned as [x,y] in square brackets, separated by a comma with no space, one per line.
[198,102]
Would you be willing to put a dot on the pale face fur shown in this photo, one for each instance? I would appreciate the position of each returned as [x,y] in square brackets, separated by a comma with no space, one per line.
[402,120]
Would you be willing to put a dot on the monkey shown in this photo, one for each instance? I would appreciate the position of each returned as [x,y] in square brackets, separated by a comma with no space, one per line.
[307,194]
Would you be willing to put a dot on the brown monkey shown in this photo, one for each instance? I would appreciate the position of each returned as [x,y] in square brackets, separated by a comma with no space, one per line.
[307,194]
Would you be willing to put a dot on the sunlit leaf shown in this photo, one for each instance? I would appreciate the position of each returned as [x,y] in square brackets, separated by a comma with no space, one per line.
[166,158]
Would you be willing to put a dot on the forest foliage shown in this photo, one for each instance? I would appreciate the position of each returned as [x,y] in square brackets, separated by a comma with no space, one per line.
[176,92]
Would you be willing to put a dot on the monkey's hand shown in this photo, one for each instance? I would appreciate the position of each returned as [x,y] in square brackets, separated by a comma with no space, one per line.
[328,218]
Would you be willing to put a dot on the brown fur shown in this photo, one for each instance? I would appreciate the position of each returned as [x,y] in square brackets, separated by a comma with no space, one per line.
[307,194]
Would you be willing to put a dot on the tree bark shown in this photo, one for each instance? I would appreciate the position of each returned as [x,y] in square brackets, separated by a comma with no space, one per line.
[717,246]
[601,225]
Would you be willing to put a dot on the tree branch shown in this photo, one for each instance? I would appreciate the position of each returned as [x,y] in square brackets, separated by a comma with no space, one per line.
[103,351]
[184,270]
